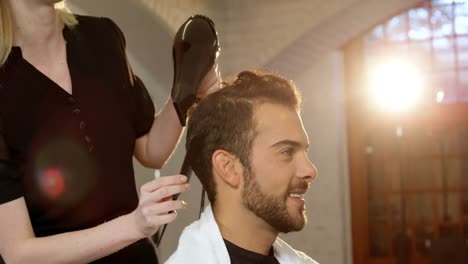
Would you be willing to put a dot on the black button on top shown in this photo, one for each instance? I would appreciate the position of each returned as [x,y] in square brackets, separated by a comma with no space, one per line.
[76,111]
[82,125]
[71,100]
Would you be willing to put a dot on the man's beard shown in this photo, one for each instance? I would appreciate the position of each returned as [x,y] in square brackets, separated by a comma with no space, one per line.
[272,209]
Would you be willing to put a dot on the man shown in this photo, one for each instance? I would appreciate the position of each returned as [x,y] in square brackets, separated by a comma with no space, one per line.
[248,147]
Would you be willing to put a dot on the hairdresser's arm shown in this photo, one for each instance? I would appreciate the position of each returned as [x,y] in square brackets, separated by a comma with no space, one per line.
[155,148]
[19,245]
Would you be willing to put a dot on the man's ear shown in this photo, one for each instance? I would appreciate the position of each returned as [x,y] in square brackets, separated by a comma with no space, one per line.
[228,167]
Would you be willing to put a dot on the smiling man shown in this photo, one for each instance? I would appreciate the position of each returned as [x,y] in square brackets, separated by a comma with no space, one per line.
[248,147]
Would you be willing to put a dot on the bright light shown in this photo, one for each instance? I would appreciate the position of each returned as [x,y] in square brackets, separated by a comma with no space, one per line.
[396,86]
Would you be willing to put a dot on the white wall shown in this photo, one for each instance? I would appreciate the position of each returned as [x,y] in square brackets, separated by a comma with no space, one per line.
[327,237]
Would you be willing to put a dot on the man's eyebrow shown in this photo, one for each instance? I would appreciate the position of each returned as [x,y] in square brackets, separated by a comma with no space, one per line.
[292,143]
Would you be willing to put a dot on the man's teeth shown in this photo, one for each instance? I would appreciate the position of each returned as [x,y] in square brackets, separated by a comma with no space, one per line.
[295,195]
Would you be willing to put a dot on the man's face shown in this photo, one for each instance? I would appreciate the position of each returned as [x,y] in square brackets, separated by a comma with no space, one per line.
[280,169]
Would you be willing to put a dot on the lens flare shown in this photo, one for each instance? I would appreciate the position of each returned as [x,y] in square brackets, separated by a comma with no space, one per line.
[52,182]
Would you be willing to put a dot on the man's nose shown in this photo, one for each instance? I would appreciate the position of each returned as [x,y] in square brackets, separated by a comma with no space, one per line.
[307,171]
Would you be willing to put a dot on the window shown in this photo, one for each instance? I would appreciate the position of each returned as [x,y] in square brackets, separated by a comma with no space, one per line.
[409,171]
[434,37]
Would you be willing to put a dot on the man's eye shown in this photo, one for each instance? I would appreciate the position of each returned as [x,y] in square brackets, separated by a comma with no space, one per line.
[287,152]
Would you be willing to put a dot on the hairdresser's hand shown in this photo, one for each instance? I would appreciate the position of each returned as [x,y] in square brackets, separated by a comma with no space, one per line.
[210,83]
[156,203]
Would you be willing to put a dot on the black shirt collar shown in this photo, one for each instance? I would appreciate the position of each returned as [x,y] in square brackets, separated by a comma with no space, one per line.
[16,54]
[242,255]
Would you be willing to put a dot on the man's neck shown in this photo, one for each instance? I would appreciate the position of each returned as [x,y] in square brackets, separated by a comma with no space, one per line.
[243,228]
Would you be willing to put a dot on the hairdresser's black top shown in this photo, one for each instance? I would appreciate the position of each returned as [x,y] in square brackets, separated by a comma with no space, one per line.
[70,155]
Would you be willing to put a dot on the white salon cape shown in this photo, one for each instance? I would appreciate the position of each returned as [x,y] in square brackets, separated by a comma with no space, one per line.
[202,243]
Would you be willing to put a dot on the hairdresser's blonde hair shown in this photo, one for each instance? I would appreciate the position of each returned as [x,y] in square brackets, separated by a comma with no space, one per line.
[65,15]
[6,26]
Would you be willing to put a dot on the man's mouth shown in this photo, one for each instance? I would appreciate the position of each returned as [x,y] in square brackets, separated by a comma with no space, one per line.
[297,195]
[297,191]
